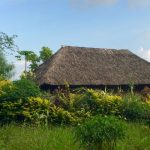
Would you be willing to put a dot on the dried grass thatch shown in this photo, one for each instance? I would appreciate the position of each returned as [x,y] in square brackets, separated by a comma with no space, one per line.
[93,66]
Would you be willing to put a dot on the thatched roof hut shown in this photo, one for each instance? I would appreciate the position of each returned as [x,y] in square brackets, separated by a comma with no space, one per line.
[93,67]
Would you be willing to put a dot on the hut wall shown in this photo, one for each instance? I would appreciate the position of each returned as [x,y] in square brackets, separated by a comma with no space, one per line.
[125,88]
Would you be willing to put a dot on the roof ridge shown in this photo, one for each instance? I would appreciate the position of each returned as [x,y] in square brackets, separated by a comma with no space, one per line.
[107,50]
[118,49]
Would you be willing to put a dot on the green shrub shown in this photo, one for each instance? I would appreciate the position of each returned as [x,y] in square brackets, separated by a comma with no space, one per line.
[98,102]
[134,109]
[100,132]
[60,116]
[4,83]
[146,114]
[36,110]
[64,99]
[20,89]
[33,110]
[26,88]
[5,86]
[10,111]
[145,92]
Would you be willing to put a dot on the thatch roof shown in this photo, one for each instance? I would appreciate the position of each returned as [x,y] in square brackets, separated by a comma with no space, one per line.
[93,66]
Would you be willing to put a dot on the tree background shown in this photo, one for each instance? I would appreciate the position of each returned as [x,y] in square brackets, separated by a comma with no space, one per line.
[7,47]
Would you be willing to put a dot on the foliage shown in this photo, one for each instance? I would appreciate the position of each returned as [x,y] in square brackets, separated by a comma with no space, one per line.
[39,111]
[146,93]
[60,116]
[134,109]
[66,107]
[5,67]
[10,111]
[100,131]
[98,102]
[29,56]
[4,83]
[64,99]
[33,110]
[20,89]
[36,110]
[6,88]
[26,88]
[34,59]
[6,43]
[45,53]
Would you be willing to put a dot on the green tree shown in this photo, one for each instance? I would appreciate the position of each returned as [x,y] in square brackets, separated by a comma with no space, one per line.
[29,56]
[5,68]
[34,59]
[45,53]
[7,46]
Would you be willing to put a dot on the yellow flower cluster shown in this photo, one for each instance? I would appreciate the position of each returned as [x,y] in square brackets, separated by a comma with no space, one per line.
[39,101]
[3,84]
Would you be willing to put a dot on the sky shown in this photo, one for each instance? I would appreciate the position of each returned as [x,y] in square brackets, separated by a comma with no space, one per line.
[119,24]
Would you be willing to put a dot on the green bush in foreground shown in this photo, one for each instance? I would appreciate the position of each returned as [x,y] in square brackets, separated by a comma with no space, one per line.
[134,109]
[20,89]
[100,132]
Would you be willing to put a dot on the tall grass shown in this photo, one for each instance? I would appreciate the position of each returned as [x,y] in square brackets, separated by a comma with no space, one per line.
[36,138]
[13,137]
[137,138]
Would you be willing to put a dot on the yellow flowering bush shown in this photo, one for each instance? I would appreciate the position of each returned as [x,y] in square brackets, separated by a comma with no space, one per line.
[16,90]
[36,109]
[10,111]
[60,116]
[148,99]
[98,102]
[5,84]
[33,110]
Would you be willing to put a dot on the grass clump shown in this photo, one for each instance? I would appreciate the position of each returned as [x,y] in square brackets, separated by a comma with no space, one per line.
[100,132]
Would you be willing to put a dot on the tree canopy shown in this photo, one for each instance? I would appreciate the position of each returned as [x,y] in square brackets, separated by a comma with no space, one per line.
[7,46]
[33,58]
[45,53]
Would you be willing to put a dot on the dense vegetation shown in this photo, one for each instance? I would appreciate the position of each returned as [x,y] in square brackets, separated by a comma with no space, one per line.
[101,120]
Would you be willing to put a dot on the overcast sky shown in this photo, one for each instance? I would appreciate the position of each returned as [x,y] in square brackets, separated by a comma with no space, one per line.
[90,23]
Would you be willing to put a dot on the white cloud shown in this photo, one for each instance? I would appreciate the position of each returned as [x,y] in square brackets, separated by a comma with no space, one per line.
[130,3]
[144,53]
[102,2]
[138,3]
[93,2]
